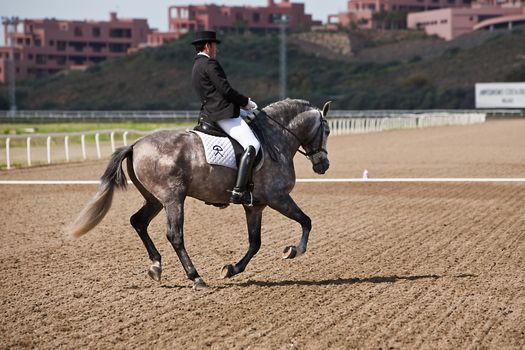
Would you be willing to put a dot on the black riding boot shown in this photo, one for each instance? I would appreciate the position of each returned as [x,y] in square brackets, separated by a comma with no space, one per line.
[240,194]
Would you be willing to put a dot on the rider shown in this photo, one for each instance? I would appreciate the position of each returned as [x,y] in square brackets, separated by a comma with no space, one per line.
[224,105]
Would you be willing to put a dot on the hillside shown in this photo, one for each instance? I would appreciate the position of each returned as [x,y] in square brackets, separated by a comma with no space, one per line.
[411,71]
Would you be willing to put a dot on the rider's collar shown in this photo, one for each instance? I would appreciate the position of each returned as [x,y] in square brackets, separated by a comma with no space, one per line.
[203,54]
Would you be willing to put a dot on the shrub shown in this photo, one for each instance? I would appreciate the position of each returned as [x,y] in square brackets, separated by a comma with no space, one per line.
[516,75]
[416,81]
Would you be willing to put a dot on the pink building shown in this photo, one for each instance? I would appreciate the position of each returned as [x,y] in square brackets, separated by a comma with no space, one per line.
[360,12]
[453,22]
[47,46]
[184,19]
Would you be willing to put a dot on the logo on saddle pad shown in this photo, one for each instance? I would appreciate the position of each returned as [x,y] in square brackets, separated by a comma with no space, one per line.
[219,150]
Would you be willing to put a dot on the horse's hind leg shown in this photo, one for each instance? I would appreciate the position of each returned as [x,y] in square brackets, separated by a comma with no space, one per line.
[140,221]
[253,220]
[175,216]
[286,206]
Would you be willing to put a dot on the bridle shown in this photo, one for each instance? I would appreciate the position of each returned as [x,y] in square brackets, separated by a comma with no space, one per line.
[310,154]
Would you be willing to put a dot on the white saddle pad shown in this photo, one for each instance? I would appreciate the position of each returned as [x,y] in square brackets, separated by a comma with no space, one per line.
[219,150]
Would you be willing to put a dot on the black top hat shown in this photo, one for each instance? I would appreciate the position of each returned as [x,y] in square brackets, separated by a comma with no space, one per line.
[205,36]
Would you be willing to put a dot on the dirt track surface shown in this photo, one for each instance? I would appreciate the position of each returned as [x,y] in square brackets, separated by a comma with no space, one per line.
[388,265]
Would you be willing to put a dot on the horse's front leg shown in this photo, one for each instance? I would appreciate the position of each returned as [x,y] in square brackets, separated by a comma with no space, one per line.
[286,206]
[253,220]
[175,216]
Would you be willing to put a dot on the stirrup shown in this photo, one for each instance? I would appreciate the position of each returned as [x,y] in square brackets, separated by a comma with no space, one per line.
[242,198]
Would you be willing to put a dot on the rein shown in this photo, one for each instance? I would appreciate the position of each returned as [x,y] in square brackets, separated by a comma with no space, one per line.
[319,130]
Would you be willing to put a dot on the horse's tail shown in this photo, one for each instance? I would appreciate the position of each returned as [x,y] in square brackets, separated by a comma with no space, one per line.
[99,205]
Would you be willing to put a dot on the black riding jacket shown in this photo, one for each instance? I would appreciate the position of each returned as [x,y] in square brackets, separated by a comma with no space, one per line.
[219,100]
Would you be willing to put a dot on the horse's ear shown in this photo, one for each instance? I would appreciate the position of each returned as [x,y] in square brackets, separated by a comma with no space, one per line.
[326,108]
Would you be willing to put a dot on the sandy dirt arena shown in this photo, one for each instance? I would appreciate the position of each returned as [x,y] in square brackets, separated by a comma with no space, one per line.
[398,265]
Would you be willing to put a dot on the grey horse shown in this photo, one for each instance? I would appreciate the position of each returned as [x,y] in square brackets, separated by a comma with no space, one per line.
[166,166]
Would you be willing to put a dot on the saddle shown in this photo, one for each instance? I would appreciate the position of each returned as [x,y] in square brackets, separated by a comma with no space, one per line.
[213,129]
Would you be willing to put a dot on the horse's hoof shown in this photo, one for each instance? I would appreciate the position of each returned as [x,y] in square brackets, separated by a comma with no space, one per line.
[155,271]
[227,271]
[199,284]
[289,252]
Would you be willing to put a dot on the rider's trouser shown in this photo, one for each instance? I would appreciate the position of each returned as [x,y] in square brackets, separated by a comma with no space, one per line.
[240,131]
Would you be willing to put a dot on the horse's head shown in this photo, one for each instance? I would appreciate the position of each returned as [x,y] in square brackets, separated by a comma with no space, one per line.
[307,125]
[316,147]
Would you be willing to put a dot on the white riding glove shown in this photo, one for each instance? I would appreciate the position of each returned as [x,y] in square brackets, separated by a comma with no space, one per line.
[247,111]
[251,105]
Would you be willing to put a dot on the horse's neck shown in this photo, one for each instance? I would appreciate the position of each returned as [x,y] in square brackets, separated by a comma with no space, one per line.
[288,141]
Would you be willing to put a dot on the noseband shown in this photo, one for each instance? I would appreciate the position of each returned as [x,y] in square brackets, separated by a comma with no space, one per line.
[312,153]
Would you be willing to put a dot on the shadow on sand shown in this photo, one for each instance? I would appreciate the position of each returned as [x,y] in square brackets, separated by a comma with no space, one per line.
[326,282]
[344,281]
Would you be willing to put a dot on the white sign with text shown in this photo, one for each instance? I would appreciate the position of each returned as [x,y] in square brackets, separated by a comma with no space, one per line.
[500,95]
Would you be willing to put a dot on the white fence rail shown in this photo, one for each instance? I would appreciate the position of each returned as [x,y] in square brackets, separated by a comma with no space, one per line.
[54,152]
[345,126]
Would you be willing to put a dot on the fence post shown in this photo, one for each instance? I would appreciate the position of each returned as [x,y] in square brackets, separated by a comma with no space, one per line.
[66,147]
[8,152]
[112,137]
[125,138]
[28,146]
[83,143]
[48,149]
[97,144]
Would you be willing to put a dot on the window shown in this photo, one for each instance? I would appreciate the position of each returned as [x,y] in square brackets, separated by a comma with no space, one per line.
[78,46]
[97,46]
[96,32]
[38,42]
[41,59]
[61,45]
[51,43]
[256,17]
[78,60]
[78,31]
[118,47]
[120,33]
[30,56]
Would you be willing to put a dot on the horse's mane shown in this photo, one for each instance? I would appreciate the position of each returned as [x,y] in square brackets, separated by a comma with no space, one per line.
[287,108]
